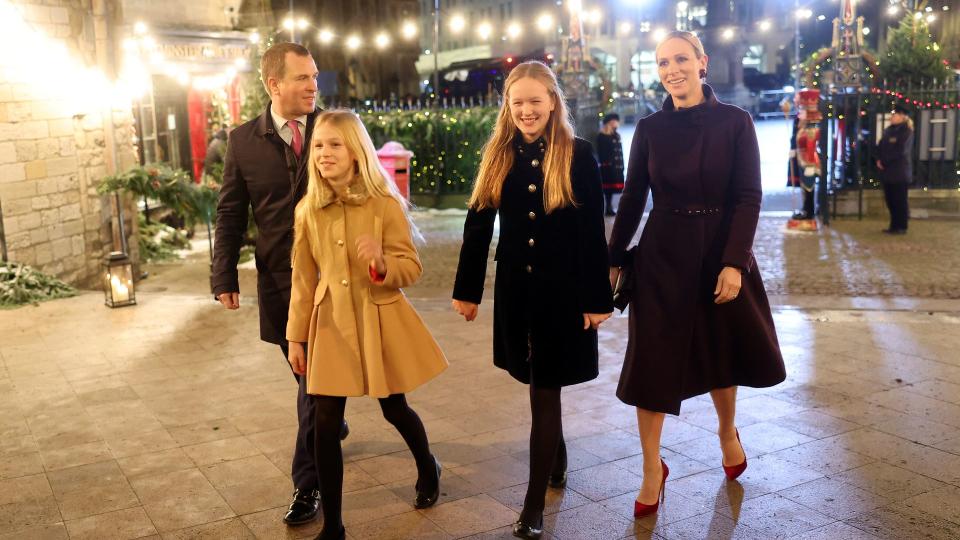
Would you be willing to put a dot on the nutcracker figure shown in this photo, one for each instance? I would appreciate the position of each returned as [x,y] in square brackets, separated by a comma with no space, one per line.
[804,167]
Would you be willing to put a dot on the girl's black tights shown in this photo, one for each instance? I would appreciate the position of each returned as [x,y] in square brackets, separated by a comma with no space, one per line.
[546,449]
[329,416]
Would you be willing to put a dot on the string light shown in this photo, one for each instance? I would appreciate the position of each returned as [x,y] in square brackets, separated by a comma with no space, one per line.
[484,30]
[409,30]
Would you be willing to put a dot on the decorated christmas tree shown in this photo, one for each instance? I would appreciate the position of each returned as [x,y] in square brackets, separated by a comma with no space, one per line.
[913,57]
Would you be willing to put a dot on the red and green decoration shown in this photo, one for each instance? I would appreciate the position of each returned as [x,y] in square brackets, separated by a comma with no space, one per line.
[912,100]
[823,59]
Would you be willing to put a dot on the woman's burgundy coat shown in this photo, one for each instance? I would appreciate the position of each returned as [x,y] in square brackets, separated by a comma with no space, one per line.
[702,165]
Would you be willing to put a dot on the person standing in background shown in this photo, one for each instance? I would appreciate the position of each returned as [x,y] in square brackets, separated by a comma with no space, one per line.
[610,154]
[896,168]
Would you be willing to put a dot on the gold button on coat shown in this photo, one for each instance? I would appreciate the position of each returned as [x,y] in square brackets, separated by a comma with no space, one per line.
[532,215]
[531,188]
[340,243]
[529,269]
[344,283]
[535,163]
[530,242]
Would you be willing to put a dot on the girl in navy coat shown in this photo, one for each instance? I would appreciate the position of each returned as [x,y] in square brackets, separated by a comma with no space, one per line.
[551,291]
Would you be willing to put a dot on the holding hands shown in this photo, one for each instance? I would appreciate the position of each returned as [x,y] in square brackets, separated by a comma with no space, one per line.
[594,320]
[468,310]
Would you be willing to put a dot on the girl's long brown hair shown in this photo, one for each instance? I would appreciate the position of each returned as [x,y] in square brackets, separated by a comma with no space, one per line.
[497,158]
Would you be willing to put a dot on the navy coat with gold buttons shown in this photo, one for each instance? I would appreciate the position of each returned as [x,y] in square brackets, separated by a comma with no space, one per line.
[551,269]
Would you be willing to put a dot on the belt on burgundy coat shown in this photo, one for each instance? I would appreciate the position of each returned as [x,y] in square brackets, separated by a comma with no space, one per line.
[692,211]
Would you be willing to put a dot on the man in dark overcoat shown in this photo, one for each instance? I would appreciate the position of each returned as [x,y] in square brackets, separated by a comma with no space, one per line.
[266,167]
[895,162]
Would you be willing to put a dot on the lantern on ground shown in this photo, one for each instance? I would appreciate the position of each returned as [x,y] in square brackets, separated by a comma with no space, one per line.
[118,280]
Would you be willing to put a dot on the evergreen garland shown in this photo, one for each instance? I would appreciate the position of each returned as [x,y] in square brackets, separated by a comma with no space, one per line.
[446,144]
[21,284]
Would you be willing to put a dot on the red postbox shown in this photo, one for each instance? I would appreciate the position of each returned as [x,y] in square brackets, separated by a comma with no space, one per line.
[396,160]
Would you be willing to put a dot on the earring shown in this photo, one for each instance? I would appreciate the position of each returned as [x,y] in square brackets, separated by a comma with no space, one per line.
[703,73]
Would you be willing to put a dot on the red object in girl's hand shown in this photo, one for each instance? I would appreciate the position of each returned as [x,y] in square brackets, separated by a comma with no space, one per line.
[375,276]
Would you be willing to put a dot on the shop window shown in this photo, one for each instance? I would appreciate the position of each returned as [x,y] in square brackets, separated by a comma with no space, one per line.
[754,57]
[643,70]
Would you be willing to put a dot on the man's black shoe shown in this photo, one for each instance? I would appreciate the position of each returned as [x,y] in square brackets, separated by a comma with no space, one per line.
[344,430]
[895,231]
[304,507]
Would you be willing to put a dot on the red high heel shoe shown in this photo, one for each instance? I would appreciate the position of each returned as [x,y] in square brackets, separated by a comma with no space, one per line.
[736,470]
[642,510]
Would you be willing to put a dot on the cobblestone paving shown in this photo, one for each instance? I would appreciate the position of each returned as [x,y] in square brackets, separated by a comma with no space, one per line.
[171,420]
[849,258]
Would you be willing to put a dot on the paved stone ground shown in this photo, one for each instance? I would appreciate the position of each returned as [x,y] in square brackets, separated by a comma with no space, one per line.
[171,420]
[849,258]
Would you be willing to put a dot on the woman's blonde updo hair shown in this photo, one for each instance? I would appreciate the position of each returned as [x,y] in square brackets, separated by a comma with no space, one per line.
[690,38]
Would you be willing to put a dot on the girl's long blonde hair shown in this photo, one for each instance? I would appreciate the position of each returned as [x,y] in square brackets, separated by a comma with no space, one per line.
[497,159]
[371,174]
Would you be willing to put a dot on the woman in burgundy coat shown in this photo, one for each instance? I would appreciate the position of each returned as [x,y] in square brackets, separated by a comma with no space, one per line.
[699,317]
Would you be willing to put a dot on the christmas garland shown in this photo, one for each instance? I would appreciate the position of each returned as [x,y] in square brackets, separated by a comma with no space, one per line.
[929,104]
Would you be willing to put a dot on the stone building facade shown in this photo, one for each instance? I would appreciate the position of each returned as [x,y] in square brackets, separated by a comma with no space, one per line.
[64,126]
[58,140]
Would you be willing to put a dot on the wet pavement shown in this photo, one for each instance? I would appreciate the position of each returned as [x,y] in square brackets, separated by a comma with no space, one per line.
[172,420]
[848,259]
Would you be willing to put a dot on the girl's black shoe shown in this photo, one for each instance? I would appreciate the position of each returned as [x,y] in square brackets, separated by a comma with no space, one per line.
[525,530]
[426,500]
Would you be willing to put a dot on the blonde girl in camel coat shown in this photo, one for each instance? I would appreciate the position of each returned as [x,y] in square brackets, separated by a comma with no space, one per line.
[352,252]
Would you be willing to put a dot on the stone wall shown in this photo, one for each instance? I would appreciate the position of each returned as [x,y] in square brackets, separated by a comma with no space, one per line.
[54,148]
[183,14]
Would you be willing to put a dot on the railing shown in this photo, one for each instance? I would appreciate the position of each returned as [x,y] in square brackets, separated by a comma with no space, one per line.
[853,123]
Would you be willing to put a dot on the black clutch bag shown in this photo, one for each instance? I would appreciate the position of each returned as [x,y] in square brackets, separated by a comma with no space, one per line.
[623,290]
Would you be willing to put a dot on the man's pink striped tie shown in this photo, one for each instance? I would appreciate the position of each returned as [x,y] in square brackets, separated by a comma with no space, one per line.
[297,138]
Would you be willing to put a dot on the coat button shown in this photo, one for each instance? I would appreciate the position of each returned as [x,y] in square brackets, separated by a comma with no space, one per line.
[530,242]
[532,188]
[532,216]
[340,243]
[344,283]
[535,163]
[529,269]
